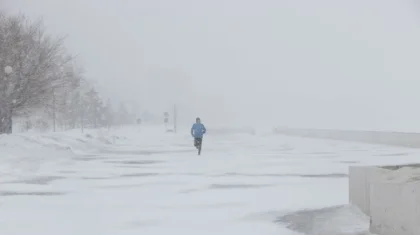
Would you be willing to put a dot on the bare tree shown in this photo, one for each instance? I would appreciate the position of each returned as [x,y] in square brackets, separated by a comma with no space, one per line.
[39,65]
[93,107]
[63,105]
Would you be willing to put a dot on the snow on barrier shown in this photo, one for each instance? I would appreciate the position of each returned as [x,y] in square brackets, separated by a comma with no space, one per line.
[404,139]
[225,131]
[390,195]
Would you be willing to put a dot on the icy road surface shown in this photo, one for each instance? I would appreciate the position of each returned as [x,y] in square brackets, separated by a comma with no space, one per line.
[155,184]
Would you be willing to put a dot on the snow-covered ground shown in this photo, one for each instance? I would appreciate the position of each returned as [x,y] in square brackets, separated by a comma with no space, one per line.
[143,181]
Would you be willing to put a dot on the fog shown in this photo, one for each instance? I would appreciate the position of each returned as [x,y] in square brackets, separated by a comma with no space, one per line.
[322,64]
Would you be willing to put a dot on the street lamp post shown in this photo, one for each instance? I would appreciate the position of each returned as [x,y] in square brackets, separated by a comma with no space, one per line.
[175,116]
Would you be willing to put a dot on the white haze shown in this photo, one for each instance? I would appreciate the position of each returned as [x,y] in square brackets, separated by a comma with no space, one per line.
[325,63]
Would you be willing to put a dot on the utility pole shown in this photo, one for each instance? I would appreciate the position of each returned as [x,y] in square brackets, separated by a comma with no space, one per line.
[95,118]
[166,120]
[82,116]
[108,113]
[175,117]
[54,113]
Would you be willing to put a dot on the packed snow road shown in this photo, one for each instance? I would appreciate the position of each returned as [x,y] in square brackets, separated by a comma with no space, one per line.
[143,183]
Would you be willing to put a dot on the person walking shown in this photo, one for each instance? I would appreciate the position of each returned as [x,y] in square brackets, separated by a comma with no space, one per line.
[197,131]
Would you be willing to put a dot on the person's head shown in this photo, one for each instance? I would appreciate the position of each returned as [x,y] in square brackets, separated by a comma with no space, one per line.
[198,120]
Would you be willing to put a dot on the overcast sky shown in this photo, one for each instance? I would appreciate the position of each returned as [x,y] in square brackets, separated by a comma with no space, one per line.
[324,63]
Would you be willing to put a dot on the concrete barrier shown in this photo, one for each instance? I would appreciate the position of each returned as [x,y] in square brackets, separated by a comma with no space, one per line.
[360,179]
[390,195]
[227,131]
[404,139]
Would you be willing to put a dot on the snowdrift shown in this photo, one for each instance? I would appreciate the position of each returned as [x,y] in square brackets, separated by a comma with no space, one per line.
[26,155]
[31,154]
[336,220]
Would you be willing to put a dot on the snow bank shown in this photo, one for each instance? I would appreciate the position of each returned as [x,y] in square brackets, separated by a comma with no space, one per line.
[26,155]
[70,141]
[390,195]
[336,220]
[30,154]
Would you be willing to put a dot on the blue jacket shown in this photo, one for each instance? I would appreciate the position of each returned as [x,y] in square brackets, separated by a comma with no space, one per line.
[198,130]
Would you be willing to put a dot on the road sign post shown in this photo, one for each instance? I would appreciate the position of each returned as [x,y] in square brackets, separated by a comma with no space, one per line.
[166,120]
[175,116]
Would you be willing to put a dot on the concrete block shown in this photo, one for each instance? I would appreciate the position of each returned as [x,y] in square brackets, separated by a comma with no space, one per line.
[360,178]
[390,195]
[395,208]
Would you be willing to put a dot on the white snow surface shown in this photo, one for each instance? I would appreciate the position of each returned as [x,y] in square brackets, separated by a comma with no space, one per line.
[140,180]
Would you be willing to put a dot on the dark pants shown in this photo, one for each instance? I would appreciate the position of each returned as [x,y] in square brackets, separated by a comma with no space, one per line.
[198,142]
